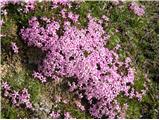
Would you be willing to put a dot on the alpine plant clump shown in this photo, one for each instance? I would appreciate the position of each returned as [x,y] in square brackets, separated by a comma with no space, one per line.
[80,53]
[18,98]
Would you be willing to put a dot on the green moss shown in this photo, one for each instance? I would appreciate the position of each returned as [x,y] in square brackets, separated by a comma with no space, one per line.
[35,90]
[134,110]
[139,81]
[122,99]
[11,112]
[74,111]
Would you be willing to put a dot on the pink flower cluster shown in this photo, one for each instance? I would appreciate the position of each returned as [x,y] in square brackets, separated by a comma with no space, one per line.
[18,98]
[56,3]
[137,9]
[73,17]
[80,53]
[79,105]
[57,115]
[27,5]
[14,47]
[39,76]
[67,115]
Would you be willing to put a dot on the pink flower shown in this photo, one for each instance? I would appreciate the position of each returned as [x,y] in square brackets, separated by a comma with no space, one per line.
[29,105]
[73,17]
[39,76]
[105,18]
[14,47]
[1,23]
[5,86]
[67,116]
[63,12]
[54,115]
[117,46]
[47,20]
[79,105]
[18,98]
[58,98]
[72,86]
[56,3]
[65,101]
[15,94]
[29,6]
[137,9]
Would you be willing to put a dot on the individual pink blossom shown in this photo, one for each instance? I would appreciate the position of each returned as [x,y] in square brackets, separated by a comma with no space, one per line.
[138,95]
[73,17]
[67,115]
[14,47]
[39,76]
[5,86]
[29,105]
[72,86]
[117,46]
[47,20]
[116,30]
[79,105]
[1,23]
[63,12]
[105,18]
[58,98]
[143,92]
[29,6]
[65,101]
